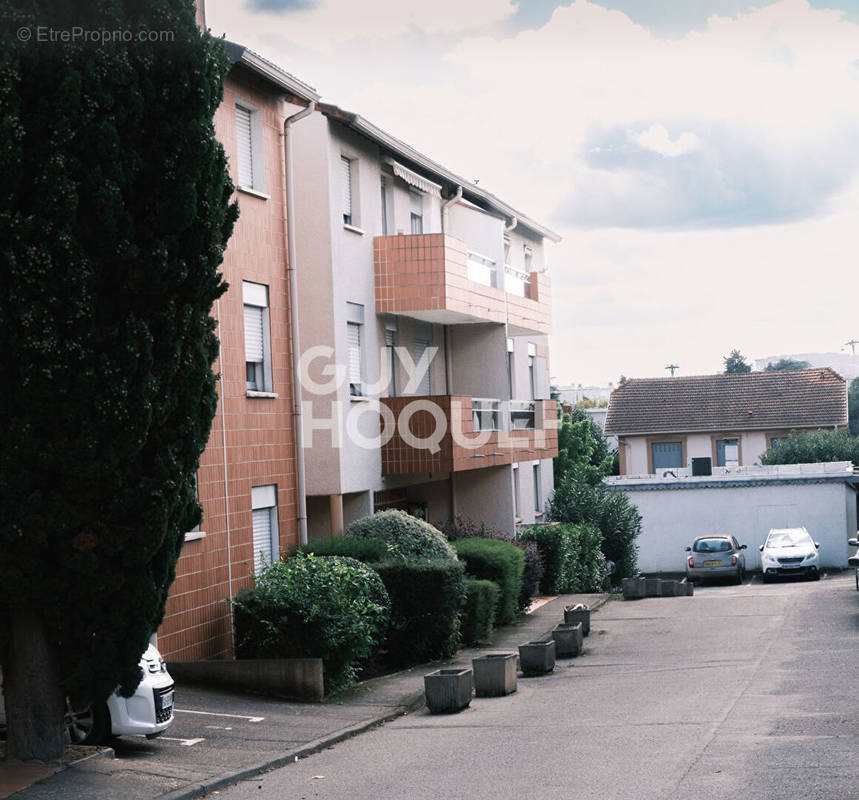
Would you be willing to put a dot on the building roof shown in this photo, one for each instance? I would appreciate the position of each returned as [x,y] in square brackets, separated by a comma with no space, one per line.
[417,160]
[803,398]
[269,71]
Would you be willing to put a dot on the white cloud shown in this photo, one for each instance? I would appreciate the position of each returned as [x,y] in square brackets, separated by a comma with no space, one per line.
[657,139]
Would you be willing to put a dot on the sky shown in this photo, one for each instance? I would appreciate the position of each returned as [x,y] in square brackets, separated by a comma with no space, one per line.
[700,158]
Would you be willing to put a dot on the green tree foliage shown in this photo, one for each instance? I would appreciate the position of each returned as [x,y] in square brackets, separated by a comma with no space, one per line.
[405,536]
[583,447]
[812,448]
[114,215]
[785,364]
[330,607]
[735,363]
[853,406]
[572,555]
[578,501]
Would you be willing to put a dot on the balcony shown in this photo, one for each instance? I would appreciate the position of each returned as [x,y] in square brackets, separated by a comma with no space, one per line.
[436,278]
[453,433]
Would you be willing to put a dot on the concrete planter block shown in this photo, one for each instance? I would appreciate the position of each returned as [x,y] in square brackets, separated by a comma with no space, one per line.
[576,614]
[688,588]
[568,640]
[653,587]
[448,690]
[494,674]
[669,589]
[633,588]
[537,658]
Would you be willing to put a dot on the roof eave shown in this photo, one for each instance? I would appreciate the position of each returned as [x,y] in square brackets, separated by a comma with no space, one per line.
[239,54]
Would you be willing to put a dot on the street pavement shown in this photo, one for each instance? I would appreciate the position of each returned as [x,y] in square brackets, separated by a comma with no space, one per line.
[749,691]
[219,737]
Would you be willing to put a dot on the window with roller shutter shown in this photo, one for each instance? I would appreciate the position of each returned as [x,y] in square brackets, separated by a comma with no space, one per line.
[353,343]
[421,344]
[346,164]
[257,337]
[265,532]
[249,150]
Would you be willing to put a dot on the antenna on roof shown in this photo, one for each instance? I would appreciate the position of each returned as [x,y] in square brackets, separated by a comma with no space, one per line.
[672,367]
[852,345]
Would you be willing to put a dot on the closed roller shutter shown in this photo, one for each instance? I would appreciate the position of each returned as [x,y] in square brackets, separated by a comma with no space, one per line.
[421,345]
[245,149]
[254,334]
[353,341]
[262,536]
[347,189]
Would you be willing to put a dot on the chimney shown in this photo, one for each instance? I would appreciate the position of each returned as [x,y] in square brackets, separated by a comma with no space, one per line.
[201,14]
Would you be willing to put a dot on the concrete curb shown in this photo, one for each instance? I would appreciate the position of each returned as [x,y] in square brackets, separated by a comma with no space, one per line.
[411,702]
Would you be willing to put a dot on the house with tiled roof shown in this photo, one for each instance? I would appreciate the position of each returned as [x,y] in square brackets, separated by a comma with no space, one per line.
[731,419]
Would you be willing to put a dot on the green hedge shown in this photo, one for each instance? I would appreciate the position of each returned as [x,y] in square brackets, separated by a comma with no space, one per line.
[497,561]
[427,597]
[331,608]
[478,615]
[364,550]
[572,557]
[404,535]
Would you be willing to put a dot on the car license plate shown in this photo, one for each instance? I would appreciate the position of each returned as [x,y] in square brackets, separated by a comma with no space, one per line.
[790,566]
[712,563]
[167,701]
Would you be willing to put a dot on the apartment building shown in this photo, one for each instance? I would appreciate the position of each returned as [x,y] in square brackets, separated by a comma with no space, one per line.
[248,476]
[424,309]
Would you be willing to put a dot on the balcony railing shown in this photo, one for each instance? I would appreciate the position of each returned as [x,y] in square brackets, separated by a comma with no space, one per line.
[486,414]
[522,415]
[481,269]
[517,282]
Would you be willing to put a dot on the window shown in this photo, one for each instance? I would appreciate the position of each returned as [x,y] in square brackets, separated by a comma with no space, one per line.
[727,452]
[532,378]
[265,536]
[510,368]
[257,337]
[423,338]
[195,532]
[384,206]
[391,357]
[776,440]
[538,491]
[353,342]
[516,512]
[666,455]
[416,199]
[348,216]
[249,148]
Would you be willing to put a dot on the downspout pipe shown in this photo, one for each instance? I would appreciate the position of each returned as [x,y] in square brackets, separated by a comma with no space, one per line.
[513,223]
[446,205]
[292,271]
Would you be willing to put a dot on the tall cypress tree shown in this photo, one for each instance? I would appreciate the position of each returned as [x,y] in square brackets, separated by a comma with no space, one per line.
[114,214]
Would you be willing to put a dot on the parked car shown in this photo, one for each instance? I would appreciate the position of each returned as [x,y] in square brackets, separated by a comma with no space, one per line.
[149,711]
[790,551]
[716,555]
[853,561]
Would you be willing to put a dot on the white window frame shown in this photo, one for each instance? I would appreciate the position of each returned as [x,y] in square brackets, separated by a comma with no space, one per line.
[195,533]
[255,297]
[351,212]
[422,341]
[416,221]
[264,498]
[516,510]
[538,488]
[254,181]
[356,380]
[532,377]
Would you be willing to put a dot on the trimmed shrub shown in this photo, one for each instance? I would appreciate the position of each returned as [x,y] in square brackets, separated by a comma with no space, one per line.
[576,501]
[478,614]
[427,597]
[463,528]
[404,535]
[331,608]
[364,550]
[572,557]
[497,561]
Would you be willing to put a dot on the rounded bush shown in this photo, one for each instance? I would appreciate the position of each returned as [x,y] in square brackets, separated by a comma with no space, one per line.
[333,608]
[404,536]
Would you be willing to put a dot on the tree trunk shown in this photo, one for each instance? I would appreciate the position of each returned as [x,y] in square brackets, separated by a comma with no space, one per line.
[35,701]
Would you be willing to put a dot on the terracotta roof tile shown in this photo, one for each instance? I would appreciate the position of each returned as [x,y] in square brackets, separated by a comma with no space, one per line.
[750,401]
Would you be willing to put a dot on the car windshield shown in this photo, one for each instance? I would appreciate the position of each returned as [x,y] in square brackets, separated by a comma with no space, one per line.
[711,546]
[788,539]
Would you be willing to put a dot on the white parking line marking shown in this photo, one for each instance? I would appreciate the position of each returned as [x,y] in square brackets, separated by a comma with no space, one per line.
[183,742]
[217,714]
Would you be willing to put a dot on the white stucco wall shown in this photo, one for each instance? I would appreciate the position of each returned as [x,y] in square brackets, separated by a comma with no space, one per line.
[484,495]
[672,517]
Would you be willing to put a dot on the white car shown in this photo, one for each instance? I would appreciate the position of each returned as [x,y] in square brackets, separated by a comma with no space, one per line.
[790,551]
[148,712]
